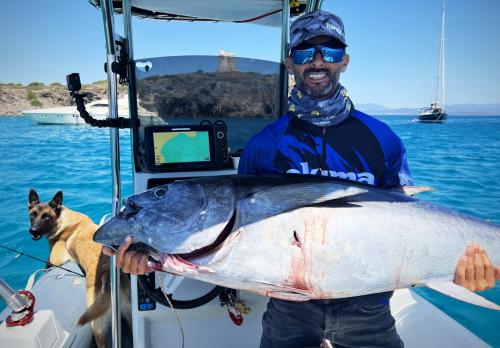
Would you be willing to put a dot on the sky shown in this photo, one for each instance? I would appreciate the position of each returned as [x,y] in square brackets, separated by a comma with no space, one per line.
[393,46]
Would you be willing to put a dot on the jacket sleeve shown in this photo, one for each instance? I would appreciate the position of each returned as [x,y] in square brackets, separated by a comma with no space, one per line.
[249,160]
[397,169]
[258,154]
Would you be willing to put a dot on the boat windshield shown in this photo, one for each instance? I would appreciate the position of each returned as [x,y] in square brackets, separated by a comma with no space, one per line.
[186,90]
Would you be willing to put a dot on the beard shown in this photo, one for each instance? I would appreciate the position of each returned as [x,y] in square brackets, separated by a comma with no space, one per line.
[317,91]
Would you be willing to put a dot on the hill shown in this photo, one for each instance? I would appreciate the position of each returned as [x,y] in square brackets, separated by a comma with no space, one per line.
[14,98]
[453,109]
[213,94]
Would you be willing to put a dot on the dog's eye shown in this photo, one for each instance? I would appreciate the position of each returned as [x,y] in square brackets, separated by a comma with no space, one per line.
[33,214]
[45,216]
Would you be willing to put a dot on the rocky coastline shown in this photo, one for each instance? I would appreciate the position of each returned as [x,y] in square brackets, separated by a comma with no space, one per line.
[14,98]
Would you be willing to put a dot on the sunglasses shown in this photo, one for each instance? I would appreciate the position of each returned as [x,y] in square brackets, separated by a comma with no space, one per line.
[306,55]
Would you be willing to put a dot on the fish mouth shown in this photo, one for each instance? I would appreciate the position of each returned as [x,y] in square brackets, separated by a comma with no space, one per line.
[186,260]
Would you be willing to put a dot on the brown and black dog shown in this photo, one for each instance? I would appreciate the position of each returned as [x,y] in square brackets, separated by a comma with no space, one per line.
[70,235]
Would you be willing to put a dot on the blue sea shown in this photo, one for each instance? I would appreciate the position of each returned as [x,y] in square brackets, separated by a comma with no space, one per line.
[459,159]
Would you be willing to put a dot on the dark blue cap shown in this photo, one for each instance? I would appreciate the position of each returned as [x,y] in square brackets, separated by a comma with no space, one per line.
[316,23]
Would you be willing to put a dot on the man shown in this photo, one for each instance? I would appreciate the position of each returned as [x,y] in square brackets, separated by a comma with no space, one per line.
[323,134]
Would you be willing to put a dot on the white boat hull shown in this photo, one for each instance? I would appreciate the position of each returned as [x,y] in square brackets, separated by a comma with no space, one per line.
[418,322]
[69,115]
[59,118]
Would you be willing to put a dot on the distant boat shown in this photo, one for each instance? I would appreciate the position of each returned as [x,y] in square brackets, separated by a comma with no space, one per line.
[98,109]
[436,113]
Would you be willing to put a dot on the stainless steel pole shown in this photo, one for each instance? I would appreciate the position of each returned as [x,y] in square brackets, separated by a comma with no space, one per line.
[108,20]
[313,5]
[127,27]
[442,57]
[285,41]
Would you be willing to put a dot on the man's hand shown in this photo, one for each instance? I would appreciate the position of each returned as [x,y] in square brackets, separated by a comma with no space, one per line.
[475,270]
[129,261]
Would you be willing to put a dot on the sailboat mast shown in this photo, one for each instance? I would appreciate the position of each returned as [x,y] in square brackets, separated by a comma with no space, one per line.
[442,57]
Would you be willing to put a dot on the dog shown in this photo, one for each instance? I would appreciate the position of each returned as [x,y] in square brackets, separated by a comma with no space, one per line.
[70,236]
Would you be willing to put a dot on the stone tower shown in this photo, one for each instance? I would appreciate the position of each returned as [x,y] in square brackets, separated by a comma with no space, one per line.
[227,62]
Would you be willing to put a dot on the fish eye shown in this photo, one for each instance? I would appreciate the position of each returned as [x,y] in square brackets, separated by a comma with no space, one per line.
[159,193]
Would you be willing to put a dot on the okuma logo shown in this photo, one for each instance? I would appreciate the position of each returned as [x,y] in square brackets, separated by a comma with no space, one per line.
[364,177]
[334,28]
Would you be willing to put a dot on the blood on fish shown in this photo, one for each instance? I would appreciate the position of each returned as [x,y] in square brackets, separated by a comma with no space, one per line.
[296,240]
[298,269]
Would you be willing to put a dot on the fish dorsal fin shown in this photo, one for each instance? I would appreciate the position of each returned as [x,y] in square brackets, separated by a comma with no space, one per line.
[415,190]
[278,199]
[460,293]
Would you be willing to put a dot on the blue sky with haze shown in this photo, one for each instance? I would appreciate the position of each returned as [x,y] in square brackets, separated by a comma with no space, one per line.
[393,44]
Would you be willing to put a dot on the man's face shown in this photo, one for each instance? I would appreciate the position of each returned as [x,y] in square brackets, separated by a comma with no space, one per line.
[317,79]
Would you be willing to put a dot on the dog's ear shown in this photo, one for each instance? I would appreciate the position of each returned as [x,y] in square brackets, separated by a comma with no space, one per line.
[33,199]
[56,201]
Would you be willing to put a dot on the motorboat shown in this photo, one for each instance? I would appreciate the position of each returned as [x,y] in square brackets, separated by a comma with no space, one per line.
[69,115]
[196,92]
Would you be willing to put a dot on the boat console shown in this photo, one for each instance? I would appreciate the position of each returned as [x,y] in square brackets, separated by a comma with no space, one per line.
[208,107]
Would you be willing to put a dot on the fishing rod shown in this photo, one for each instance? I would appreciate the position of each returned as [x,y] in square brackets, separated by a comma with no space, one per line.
[37,259]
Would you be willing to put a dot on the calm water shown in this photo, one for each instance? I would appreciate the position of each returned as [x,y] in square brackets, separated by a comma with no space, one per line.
[460,159]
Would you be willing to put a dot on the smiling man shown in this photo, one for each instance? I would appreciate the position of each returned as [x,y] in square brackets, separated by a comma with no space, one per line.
[323,134]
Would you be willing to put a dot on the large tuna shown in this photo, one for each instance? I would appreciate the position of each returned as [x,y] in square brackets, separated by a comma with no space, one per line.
[301,237]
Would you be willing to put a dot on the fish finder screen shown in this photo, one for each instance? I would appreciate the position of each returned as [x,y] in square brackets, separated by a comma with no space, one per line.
[179,146]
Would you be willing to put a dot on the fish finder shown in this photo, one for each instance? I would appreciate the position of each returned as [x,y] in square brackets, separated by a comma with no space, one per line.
[186,147]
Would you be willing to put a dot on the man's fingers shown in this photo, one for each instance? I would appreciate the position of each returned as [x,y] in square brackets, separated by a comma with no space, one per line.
[489,272]
[497,272]
[478,267]
[143,265]
[469,268]
[460,271]
[128,261]
[135,263]
[122,250]
[108,251]
[470,250]
[469,274]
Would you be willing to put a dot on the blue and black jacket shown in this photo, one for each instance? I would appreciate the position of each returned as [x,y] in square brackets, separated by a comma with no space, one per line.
[361,149]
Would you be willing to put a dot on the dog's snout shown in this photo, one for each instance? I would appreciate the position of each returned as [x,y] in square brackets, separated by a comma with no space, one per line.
[35,233]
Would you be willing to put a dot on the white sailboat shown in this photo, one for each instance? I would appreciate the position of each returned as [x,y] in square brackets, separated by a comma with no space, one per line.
[436,113]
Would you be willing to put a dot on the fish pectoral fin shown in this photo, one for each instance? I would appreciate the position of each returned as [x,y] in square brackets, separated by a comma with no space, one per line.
[284,292]
[460,293]
[290,295]
[415,190]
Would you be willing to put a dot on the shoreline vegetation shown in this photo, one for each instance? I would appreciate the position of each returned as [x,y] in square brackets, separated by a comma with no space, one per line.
[16,97]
